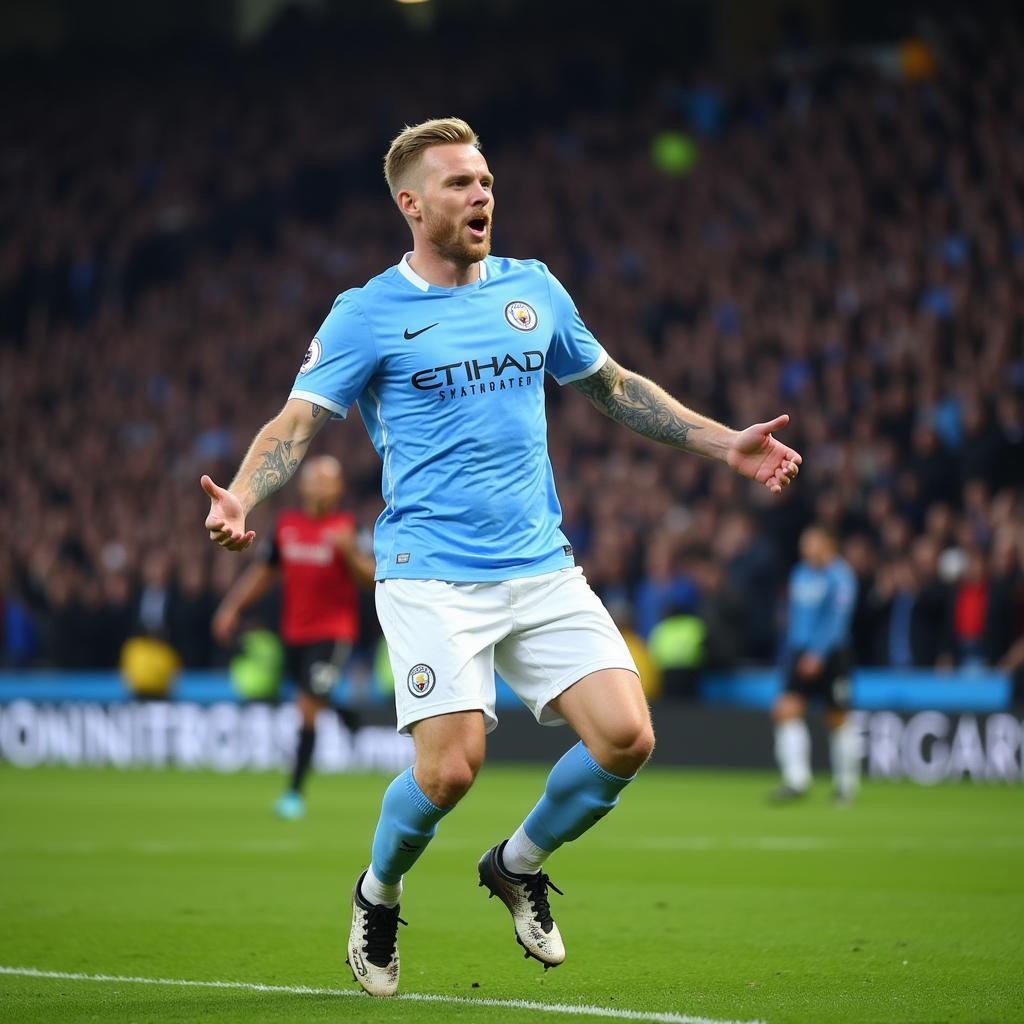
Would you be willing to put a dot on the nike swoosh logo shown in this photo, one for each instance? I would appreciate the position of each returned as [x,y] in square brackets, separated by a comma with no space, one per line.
[409,335]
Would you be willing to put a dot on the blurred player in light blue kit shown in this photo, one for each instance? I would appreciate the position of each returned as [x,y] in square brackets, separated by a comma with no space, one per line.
[816,664]
[445,355]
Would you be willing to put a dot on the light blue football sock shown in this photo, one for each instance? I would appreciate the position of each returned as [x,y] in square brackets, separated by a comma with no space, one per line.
[578,794]
[408,821]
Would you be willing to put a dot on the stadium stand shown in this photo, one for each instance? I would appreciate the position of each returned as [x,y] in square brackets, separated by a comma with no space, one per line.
[173,234]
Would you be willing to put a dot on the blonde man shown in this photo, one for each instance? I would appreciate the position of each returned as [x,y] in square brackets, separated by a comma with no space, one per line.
[445,355]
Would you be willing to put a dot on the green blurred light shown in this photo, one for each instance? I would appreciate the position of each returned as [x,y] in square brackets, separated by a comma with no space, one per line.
[256,672]
[674,153]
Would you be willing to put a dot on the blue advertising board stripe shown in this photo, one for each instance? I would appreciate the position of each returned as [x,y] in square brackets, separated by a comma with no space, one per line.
[873,689]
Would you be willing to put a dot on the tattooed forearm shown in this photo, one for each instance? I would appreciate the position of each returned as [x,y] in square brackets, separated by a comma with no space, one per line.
[276,452]
[600,385]
[276,470]
[638,404]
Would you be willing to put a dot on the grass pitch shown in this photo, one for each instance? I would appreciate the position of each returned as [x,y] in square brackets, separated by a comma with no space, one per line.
[693,899]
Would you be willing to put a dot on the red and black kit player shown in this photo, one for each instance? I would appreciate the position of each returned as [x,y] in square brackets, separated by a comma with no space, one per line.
[315,557]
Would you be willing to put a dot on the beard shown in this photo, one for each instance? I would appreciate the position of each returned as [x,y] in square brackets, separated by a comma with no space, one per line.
[448,236]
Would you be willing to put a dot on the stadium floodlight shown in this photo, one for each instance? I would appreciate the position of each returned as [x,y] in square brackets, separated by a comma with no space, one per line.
[418,15]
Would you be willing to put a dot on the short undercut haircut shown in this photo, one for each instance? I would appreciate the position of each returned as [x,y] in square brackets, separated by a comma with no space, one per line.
[407,147]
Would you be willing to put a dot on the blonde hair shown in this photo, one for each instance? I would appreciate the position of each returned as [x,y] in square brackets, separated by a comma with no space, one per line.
[409,144]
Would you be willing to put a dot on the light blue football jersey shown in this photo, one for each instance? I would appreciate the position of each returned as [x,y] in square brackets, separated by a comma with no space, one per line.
[450,385]
[821,605]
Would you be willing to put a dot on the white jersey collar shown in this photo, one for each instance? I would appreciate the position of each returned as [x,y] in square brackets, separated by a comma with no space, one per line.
[405,269]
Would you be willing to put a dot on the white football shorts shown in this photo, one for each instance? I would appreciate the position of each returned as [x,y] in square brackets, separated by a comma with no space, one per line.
[541,634]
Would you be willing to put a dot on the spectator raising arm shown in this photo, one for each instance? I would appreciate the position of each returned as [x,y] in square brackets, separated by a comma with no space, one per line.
[273,457]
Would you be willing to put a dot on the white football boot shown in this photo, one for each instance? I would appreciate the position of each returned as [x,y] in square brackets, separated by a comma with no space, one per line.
[526,897]
[373,944]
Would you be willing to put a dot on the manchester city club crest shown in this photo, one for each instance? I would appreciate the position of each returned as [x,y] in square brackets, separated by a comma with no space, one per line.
[521,315]
[421,680]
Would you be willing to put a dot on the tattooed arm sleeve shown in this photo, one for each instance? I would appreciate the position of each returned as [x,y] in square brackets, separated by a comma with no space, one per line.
[645,408]
[276,452]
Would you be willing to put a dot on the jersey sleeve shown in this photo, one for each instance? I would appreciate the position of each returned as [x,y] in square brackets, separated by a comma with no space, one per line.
[269,552]
[340,360]
[574,352]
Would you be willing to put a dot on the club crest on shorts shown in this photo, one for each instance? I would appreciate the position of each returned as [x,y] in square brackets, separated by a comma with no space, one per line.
[521,315]
[421,680]
[312,356]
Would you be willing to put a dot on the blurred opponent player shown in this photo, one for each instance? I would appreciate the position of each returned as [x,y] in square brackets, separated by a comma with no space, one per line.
[445,355]
[816,663]
[314,554]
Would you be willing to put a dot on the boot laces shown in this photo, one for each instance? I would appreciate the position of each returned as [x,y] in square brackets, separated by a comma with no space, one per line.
[537,891]
[380,934]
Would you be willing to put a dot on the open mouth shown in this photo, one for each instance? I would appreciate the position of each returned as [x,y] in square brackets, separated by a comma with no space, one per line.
[478,227]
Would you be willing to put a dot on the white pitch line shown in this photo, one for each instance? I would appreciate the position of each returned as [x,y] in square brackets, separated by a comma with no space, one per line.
[577,1010]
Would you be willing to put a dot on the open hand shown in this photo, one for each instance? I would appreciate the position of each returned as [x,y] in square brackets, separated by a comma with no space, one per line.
[226,521]
[755,454]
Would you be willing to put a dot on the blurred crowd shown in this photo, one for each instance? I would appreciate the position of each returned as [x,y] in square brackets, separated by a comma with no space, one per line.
[847,246]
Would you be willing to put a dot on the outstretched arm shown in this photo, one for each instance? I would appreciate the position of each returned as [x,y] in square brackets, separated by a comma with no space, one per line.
[273,457]
[641,405]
